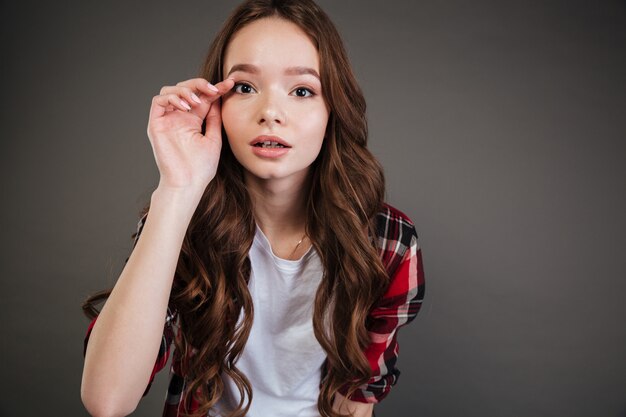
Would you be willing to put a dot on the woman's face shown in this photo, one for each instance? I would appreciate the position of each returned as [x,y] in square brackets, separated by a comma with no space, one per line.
[275,117]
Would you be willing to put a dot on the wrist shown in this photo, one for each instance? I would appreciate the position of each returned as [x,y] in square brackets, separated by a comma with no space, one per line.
[187,192]
[184,200]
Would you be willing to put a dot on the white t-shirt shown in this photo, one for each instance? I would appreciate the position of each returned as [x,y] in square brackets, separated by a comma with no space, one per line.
[282,358]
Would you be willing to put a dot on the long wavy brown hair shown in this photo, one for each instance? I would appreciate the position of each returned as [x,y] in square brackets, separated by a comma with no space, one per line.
[345,192]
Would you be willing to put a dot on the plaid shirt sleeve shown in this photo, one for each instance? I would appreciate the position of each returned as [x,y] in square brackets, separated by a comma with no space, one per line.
[168,333]
[399,305]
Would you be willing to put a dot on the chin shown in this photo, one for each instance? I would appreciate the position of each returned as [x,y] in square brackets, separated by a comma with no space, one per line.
[263,172]
[265,175]
[275,174]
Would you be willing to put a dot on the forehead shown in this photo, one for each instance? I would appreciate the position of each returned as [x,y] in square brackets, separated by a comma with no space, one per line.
[271,43]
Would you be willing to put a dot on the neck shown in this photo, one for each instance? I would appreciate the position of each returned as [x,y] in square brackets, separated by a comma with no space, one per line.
[279,206]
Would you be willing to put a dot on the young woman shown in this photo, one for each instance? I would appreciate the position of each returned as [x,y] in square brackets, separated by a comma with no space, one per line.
[267,255]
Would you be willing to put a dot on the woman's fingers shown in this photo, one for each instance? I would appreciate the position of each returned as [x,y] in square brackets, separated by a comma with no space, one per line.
[192,103]
[178,113]
[214,121]
[206,89]
[161,103]
[195,96]
[184,92]
[202,86]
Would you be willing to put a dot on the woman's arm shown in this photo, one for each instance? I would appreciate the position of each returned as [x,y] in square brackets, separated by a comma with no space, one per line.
[353,408]
[125,339]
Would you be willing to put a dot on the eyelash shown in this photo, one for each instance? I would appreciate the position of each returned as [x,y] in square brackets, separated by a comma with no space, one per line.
[237,85]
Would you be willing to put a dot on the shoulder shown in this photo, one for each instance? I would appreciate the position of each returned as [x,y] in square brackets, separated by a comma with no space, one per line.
[394,228]
[396,234]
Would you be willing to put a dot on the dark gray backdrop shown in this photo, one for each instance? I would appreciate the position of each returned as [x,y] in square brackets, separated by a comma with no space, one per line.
[501,125]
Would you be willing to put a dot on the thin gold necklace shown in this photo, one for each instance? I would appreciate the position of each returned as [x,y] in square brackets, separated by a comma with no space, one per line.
[297,246]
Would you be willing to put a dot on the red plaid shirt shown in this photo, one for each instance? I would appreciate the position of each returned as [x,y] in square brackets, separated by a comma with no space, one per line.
[401,255]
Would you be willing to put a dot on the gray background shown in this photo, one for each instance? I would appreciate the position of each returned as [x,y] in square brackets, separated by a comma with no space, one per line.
[501,125]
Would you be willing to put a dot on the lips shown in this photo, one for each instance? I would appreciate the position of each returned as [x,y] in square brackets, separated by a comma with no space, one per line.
[269,142]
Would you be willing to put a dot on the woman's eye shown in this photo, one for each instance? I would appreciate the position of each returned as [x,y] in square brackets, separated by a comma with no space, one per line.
[303,92]
[242,88]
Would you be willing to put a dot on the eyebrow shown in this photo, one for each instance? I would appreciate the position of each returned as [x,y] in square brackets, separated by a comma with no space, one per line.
[249,68]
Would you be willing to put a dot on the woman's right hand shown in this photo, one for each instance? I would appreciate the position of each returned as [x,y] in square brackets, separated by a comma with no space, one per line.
[186,158]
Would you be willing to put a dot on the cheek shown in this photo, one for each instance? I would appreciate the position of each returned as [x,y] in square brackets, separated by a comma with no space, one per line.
[315,122]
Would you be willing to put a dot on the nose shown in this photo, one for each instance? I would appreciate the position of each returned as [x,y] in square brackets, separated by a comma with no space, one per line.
[271,111]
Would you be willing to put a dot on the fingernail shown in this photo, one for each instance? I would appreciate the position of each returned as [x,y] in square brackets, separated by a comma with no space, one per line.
[212,87]
[185,105]
[196,98]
